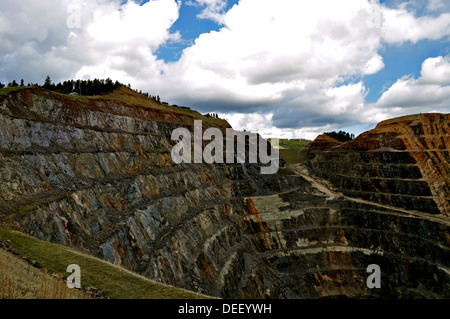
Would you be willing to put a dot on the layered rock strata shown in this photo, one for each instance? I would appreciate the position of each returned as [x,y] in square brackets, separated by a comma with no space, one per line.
[96,174]
[319,244]
[403,162]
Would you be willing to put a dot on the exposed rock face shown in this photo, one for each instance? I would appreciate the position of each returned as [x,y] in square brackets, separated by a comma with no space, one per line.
[319,244]
[97,174]
[321,144]
[403,162]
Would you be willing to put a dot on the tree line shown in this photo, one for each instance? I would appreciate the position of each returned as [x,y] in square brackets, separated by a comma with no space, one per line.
[83,87]
[13,84]
[87,87]
[213,115]
[341,136]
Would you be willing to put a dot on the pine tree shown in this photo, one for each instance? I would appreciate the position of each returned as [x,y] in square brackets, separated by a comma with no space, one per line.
[89,90]
[77,86]
[83,88]
[47,83]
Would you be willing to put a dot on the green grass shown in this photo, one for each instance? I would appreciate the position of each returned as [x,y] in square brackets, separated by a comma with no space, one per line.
[129,97]
[293,156]
[298,144]
[291,150]
[20,280]
[115,282]
[7,90]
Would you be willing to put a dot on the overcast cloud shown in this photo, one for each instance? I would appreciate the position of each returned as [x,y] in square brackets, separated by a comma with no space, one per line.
[281,67]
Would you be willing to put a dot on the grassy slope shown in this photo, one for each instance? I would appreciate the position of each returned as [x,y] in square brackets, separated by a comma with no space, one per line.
[7,90]
[20,280]
[113,281]
[294,143]
[291,150]
[129,97]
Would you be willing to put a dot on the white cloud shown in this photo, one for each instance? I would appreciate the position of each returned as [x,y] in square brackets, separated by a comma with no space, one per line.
[400,25]
[292,66]
[40,38]
[435,5]
[263,124]
[212,9]
[134,24]
[436,70]
[123,39]
[284,55]
[431,90]
[266,48]
[29,31]
[294,62]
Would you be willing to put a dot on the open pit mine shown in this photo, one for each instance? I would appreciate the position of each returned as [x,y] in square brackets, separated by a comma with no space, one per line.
[96,174]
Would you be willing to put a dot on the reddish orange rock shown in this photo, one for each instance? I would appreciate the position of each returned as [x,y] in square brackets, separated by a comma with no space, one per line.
[402,162]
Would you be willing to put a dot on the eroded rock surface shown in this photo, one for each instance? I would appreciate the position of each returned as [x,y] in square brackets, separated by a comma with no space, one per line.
[96,174]
[403,162]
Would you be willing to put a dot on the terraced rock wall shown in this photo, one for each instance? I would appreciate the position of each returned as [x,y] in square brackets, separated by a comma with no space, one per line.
[320,246]
[96,174]
[403,162]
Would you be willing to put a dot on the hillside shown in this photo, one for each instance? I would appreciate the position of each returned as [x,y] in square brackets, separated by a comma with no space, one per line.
[292,150]
[403,162]
[379,199]
[321,144]
[95,174]
[22,280]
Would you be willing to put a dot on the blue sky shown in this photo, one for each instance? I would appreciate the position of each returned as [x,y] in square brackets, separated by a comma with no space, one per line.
[190,28]
[402,60]
[399,60]
[284,68]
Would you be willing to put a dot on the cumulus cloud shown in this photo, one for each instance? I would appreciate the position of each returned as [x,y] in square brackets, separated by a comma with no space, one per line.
[283,66]
[292,65]
[263,124]
[400,25]
[134,24]
[212,9]
[285,43]
[124,39]
[70,38]
[30,33]
[431,89]
[288,56]
[435,5]
[436,70]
